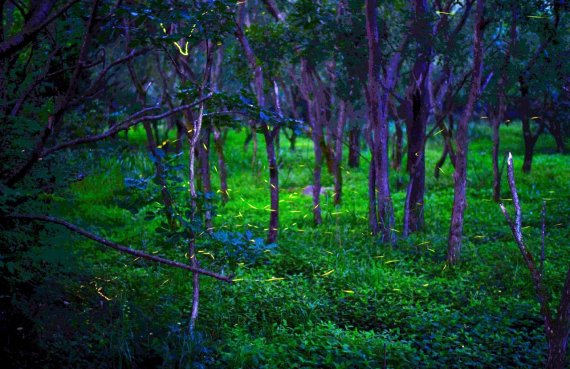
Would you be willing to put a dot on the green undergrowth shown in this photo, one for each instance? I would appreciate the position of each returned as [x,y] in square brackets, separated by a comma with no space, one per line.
[324,297]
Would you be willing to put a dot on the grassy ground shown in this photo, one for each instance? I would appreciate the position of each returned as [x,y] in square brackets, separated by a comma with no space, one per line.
[331,296]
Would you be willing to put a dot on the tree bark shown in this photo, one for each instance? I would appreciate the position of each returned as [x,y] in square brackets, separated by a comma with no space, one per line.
[462,142]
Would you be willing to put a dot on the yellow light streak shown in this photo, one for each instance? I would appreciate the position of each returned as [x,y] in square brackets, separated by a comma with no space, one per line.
[102,295]
[183,52]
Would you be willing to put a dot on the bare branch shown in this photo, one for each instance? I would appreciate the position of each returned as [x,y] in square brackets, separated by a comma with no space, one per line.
[515,226]
[130,122]
[121,248]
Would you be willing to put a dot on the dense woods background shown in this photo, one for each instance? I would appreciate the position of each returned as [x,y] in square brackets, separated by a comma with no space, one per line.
[284,184]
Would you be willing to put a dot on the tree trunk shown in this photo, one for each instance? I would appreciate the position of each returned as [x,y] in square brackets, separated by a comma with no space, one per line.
[378,122]
[338,140]
[204,156]
[417,122]
[223,172]
[354,147]
[273,185]
[372,195]
[416,132]
[462,142]
[160,172]
[498,112]
[558,335]
[268,134]
[529,138]
[309,93]
[555,129]
[495,123]
[398,146]
[557,347]
[529,142]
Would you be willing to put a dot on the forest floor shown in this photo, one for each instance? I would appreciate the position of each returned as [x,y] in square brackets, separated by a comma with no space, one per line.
[325,297]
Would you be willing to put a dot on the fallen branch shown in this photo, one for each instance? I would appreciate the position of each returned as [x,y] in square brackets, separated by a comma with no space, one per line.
[121,248]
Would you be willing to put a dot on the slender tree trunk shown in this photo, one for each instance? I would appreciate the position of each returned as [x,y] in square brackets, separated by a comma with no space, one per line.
[354,147]
[447,146]
[555,128]
[398,146]
[222,169]
[204,157]
[498,113]
[416,132]
[372,195]
[160,172]
[193,139]
[530,140]
[338,140]
[462,142]
[268,134]
[441,161]
[316,136]
[378,122]
[308,89]
[273,186]
[495,124]
[417,121]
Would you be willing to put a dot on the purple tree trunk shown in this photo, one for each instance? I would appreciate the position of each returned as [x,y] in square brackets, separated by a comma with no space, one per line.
[462,142]
[381,211]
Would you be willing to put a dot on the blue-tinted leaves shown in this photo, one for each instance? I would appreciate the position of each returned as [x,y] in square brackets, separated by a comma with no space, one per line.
[138,183]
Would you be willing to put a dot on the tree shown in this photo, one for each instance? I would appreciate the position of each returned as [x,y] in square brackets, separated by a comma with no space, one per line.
[269,133]
[378,88]
[462,141]
[498,107]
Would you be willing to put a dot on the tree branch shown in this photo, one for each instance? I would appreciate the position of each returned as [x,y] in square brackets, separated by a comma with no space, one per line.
[121,248]
[126,124]
[515,226]
[37,22]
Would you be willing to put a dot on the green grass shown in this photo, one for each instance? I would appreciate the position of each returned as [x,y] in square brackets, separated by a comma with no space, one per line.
[331,296]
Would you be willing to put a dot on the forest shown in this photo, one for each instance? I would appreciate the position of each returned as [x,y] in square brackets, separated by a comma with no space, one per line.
[284,184]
